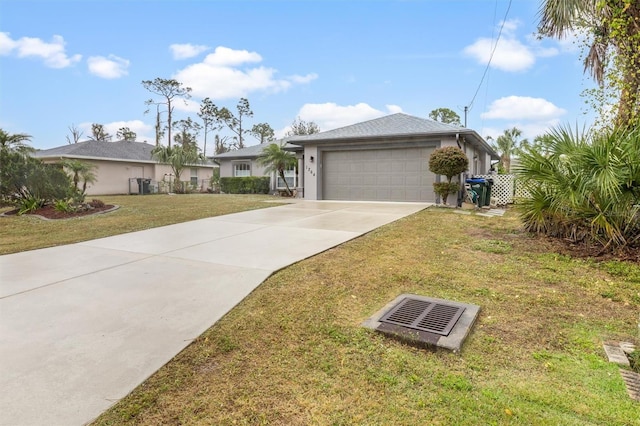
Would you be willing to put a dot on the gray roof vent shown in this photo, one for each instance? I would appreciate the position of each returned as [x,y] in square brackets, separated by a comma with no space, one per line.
[426,321]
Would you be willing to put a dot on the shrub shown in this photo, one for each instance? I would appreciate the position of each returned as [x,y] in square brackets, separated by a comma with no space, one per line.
[585,187]
[443,189]
[449,161]
[96,203]
[28,204]
[245,185]
[24,178]
[63,206]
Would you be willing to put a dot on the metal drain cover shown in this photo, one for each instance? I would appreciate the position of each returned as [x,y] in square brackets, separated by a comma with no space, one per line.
[425,321]
[423,315]
[632,380]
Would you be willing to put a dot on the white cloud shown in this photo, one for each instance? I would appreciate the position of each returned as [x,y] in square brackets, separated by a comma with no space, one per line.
[144,132]
[6,44]
[185,51]
[393,109]
[111,67]
[302,79]
[529,130]
[511,54]
[522,108]
[53,53]
[226,57]
[186,105]
[221,75]
[330,115]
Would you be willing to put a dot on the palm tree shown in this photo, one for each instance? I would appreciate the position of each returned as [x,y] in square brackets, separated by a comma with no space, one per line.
[614,29]
[276,159]
[15,143]
[586,187]
[177,157]
[507,145]
[81,172]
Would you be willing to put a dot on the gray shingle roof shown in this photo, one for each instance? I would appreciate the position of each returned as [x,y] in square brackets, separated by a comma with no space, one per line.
[391,125]
[250,151]
[121,150]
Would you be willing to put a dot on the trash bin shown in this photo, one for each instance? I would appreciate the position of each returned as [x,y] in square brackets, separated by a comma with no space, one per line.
[487,200]
[481,187]
[144,186]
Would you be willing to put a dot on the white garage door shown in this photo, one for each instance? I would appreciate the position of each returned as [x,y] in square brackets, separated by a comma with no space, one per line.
[378,175]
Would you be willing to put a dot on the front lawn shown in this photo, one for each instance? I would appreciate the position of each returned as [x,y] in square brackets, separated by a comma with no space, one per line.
[294,353]
[19,233]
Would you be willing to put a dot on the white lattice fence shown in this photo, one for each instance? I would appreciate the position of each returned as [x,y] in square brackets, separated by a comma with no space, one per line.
[521,191]
[503,188]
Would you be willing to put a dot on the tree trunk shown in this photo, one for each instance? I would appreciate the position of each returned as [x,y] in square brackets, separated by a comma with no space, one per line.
[281,172]
[628,109]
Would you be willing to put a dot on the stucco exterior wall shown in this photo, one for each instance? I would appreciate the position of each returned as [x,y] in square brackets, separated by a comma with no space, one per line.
[479,160]
[311,175]
[112,177]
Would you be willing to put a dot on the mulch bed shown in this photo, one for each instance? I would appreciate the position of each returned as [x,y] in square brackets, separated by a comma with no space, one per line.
[49,212]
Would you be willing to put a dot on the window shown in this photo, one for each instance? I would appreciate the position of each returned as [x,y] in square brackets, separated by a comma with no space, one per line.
[290,177]
[194,177]
[242,169]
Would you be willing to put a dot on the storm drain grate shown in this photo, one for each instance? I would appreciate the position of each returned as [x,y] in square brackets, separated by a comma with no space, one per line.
[424,315]
[632,380]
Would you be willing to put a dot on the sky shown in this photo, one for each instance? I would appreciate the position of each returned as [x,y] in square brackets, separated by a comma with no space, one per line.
[333,62]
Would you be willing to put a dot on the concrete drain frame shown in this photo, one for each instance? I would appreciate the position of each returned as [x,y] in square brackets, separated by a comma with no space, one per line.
[448,322]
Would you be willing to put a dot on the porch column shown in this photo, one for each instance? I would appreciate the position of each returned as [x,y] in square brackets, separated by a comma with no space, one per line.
[300,178]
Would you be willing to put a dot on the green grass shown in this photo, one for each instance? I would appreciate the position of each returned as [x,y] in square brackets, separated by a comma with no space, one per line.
[19,233]
[294,352]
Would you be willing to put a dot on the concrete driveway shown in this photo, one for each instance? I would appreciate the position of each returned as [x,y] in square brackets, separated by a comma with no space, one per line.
[82,325]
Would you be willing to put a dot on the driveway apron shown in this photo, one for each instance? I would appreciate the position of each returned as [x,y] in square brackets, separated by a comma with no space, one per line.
[82,325]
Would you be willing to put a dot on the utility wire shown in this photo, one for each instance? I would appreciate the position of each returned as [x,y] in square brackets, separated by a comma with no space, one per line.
[504,20]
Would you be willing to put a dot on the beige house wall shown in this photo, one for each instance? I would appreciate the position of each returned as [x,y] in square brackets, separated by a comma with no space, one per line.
[112,177]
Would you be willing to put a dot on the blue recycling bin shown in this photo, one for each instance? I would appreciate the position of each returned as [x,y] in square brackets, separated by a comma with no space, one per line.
[482,187]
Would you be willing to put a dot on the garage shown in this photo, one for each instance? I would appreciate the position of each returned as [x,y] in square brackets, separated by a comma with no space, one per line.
[399,174]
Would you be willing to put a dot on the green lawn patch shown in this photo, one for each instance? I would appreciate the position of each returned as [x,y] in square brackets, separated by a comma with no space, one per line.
[19,233]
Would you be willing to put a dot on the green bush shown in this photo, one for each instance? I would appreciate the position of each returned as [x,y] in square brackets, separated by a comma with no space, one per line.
[245,185]
[449,161]
[28,204]
[63,206]
[26,178]
[443,189]
[584,187]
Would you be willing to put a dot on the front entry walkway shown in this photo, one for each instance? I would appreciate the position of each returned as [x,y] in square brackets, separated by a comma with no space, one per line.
[82,325]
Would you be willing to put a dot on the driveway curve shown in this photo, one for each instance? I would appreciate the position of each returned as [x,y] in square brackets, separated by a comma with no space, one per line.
[82,325]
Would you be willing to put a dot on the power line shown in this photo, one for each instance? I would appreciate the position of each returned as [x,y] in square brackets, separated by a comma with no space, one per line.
[493,51]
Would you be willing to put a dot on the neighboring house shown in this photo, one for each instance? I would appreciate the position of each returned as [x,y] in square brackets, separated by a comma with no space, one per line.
[385,159]
[120,165]
[244,162]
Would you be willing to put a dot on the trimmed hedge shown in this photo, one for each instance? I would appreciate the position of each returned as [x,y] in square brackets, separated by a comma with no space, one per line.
[245,185]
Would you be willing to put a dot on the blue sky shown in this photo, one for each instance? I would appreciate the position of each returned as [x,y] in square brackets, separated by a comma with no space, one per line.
[333,62]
